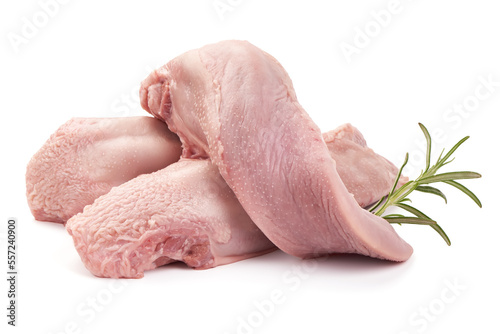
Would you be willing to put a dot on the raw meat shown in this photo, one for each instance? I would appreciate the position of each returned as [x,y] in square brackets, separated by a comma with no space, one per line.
[185,212]
[191,206]
[366,175]
[85,158]
[235,104]
[91,165]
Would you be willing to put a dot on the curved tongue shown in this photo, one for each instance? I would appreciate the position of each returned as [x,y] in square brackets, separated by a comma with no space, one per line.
[237,104]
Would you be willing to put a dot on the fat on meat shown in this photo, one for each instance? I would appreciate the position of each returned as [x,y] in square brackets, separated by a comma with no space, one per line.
[235,104]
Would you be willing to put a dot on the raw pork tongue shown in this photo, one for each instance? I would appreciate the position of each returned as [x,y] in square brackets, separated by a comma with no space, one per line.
[85,157]
[235,104]
[185,212]
[366,175]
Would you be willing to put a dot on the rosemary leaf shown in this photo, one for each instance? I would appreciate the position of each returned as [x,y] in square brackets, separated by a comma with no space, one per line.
[432,190]
[469,193]
[397,197]
[441,162]
[376,205]
[428,139]
[405,200]
[399,175]
[410,220]
[449,177]
[422,215]
[441,232]
[413,210]
[393,215]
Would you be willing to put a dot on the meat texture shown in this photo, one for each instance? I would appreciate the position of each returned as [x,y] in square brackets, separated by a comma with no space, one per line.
[367,175]
[192,208]
[86,157]
[235,104]
[75,163]
[185,212]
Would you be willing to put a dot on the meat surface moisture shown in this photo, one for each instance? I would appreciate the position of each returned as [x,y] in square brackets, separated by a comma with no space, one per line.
[235,104]
[86,157]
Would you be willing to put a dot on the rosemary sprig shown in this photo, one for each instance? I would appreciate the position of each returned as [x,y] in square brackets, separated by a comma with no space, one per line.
[398,197]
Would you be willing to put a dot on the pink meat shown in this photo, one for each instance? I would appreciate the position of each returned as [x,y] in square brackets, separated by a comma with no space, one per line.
[185,212]
[85,158]
[366,175]
[180,199]
[235,104]
[80,143]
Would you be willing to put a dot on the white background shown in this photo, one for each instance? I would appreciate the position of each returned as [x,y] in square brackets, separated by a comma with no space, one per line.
[87,60]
